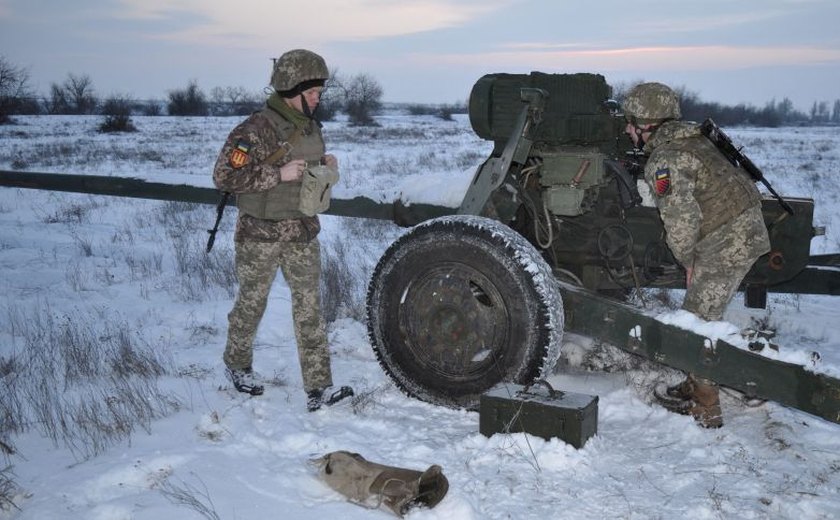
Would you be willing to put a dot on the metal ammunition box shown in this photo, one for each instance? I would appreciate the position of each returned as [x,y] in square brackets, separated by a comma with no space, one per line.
[540,411]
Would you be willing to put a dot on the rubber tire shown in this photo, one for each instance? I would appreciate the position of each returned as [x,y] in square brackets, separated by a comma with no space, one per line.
[459,304]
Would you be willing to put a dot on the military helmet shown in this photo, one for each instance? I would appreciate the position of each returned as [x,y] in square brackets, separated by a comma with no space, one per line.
[651,103]
[296,67]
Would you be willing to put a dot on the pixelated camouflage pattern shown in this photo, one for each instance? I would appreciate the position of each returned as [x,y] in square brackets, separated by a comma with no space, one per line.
[291,230]
[711,214]
[722,260]
[651,102]
[297,66]
[259,135]
[256,268]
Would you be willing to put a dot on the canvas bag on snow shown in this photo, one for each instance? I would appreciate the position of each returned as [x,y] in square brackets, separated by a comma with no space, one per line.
[316,188]
[373,485]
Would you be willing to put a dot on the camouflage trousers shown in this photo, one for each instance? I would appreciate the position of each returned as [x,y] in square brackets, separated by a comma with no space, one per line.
[256,267]
[721,261]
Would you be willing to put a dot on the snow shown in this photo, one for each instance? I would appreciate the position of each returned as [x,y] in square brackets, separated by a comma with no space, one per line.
[101,269]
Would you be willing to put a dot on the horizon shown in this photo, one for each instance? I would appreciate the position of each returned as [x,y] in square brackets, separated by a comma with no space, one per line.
[433,51]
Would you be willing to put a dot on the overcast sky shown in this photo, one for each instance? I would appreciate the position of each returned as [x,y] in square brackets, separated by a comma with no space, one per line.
[750,51]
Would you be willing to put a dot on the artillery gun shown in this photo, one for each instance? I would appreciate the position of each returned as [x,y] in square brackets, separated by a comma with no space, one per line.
[550,236]
[458,304]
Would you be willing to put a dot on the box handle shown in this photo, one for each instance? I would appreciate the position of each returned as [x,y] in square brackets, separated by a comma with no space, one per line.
[552,393]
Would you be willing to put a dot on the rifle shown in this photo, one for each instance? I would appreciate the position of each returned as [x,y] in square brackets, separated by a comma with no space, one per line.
[738,159]
[220,210]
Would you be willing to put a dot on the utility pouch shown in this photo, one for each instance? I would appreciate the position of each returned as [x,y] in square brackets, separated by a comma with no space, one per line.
[316,188]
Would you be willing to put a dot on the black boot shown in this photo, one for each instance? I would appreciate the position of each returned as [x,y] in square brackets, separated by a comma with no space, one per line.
[245,380]
[325,396]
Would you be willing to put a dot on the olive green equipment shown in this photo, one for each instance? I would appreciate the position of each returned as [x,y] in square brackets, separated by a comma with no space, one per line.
[539,409]
[373,485]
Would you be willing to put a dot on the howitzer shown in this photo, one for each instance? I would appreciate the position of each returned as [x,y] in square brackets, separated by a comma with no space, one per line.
[459,304]
[738,159]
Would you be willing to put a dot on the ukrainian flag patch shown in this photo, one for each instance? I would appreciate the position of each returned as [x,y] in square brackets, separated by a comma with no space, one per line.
[662,181]
[239,155]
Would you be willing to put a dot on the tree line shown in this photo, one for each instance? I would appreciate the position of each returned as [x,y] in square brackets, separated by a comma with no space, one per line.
[772,114]
[359,97]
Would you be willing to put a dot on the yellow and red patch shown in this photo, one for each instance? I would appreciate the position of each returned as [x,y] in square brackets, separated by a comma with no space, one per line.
[239,155]
[662,181]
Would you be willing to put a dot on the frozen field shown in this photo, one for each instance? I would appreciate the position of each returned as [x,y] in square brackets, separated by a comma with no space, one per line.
[106,281]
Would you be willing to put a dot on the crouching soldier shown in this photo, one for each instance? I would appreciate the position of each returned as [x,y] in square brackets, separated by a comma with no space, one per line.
[711,211]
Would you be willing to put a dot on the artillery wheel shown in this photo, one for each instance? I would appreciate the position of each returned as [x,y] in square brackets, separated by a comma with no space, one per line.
[459,304]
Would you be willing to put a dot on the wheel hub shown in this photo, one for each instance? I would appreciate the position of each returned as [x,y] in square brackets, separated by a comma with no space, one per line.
[453,319]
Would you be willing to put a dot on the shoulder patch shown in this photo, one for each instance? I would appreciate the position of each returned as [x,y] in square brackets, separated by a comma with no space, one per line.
[662,182]
[239,155]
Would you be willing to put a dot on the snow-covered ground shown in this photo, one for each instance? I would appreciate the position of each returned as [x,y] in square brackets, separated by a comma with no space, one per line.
[100,275]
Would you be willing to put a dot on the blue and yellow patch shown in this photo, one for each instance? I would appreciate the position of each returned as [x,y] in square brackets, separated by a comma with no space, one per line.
[239,155]
[662,182]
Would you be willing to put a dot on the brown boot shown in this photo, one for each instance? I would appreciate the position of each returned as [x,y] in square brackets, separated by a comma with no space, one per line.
[699,398]
[705,404]
[684,390]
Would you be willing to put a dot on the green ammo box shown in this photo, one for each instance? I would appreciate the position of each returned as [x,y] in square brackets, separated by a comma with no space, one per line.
[544,412]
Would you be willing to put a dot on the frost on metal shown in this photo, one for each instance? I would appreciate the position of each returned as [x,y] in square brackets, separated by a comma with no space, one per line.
[527,256]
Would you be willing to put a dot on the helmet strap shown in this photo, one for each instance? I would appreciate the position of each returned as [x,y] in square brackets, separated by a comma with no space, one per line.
[640,144]
[649,130]
[307,111]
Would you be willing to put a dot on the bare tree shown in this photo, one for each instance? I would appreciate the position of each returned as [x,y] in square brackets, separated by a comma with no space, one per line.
[218,102]
[785,108]
[74,96]
[229,101]
[819,112]
[364,99]
[80,92]
[57,103]
[191,101]
[14,89]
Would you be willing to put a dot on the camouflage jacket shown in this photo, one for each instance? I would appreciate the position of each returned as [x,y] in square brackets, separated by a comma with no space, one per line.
[241,169]
[697,190]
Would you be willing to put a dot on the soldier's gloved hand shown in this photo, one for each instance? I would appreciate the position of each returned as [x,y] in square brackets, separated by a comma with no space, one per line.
[292,170]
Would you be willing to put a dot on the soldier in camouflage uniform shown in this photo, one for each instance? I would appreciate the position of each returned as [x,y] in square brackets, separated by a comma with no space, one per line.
[262,162]
[711,211]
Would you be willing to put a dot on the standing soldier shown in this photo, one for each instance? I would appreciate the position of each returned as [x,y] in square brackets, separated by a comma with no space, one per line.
[264,162]
[711,212]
